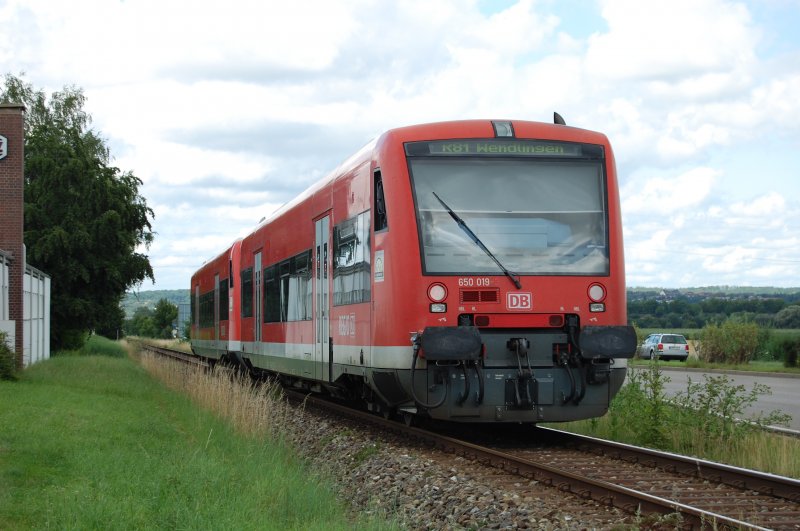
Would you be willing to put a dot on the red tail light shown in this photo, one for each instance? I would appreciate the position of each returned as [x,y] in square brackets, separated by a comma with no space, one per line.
[660,346]
[687,348]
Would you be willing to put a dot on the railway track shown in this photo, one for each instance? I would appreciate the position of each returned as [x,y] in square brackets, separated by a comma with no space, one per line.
[706,495]
[637,480]
[173,354]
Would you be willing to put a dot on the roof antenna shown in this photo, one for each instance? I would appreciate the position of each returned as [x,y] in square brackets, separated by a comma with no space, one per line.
[557,119]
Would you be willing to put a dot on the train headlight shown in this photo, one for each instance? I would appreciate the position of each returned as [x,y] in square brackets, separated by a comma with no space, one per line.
[437,292]
[597,307]
[597,293]
[438,307]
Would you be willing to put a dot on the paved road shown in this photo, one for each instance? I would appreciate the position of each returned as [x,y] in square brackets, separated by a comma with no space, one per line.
[785,390]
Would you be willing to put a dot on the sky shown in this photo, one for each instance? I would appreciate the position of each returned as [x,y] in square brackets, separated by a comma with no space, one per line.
[226,110]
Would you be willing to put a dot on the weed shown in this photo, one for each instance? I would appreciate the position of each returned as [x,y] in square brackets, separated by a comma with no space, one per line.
[364,453]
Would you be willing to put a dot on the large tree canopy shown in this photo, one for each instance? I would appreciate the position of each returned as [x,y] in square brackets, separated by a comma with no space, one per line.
[84,219]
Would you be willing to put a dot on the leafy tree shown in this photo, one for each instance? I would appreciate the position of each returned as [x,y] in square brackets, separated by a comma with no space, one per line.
[84,219]
[163,317]
[788,317]
[141,324]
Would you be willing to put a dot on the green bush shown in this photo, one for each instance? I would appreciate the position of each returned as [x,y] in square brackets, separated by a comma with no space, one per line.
[731,342]
[789,351]
[8,360]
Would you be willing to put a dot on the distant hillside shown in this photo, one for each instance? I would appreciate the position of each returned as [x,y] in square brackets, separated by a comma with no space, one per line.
[134,300]
[148,299]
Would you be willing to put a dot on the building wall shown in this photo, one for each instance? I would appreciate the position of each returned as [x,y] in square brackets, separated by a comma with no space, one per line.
[11,214]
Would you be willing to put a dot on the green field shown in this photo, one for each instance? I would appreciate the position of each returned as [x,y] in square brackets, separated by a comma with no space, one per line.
[94,442]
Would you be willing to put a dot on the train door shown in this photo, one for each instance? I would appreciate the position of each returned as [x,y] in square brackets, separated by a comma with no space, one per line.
[257,308]
[216,311]
[322,347]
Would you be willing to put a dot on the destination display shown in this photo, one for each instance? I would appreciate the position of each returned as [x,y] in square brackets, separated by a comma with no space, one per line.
[492,147]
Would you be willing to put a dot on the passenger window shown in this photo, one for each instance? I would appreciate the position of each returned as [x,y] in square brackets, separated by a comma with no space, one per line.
[287,290]
[351,267]
[247,292]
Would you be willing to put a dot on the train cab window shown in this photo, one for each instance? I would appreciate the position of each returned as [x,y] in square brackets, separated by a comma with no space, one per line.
[539,214]
[381,220]
[247,292]
[351,266]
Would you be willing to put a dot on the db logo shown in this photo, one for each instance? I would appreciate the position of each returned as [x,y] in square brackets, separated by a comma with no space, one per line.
[519,301]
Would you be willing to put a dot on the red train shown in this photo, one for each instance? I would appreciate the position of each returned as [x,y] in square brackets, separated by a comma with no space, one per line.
[467,270]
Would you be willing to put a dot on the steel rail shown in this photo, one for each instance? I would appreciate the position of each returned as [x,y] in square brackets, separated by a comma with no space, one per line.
[743,478]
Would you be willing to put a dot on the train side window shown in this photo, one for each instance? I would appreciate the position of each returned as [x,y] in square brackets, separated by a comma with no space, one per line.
[287,290]
[223,300]
[207,309]
[272,295]
[351,267]
[247,292]
[381,219]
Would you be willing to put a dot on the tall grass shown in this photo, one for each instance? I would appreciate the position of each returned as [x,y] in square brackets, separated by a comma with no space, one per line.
[254,408]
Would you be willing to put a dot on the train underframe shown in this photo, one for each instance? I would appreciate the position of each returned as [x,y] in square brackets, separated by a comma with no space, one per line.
[496,375]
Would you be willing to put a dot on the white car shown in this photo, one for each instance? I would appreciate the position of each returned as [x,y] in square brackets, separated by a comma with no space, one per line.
[665,347]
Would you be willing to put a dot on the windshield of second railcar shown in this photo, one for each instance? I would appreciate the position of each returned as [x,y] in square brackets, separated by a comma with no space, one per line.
[538,207]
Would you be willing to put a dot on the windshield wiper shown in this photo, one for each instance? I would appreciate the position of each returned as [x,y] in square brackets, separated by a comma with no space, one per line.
[474,237]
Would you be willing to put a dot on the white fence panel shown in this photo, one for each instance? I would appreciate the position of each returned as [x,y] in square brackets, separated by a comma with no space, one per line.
[36,315]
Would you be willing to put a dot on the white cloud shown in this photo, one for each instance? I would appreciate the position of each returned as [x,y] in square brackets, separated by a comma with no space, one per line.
[671,40]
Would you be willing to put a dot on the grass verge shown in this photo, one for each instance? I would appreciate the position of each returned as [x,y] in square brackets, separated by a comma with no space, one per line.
[96,443]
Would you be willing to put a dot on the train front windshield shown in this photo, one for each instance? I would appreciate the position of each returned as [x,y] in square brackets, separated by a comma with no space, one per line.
[538,207]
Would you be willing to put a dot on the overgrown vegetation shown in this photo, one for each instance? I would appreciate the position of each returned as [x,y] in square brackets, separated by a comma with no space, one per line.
[730,342]
[707,420]
[94,442]
[8,360]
